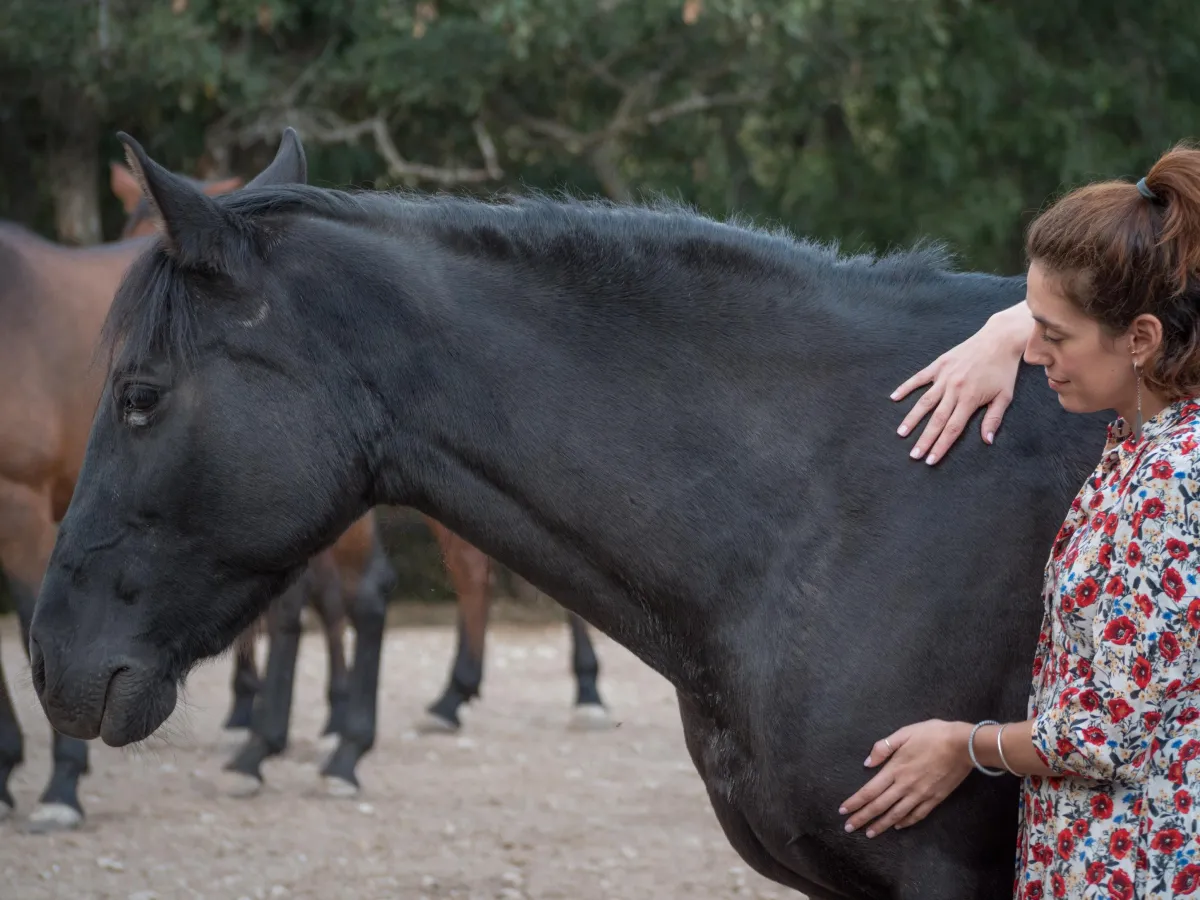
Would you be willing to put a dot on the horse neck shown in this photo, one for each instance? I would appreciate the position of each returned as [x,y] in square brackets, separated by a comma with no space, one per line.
[514,432]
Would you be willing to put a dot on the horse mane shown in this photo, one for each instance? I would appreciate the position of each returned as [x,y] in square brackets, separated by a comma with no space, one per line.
[532,225]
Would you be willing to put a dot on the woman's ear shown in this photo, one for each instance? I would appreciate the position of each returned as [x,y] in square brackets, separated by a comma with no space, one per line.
[1145,337]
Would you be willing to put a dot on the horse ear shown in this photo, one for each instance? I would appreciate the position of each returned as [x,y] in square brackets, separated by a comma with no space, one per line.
[124,186]
[193,224]
[289,165]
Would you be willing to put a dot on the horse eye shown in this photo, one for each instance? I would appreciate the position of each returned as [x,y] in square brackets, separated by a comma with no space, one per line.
[137,402]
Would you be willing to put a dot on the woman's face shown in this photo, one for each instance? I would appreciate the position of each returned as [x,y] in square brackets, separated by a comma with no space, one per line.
[1088,368]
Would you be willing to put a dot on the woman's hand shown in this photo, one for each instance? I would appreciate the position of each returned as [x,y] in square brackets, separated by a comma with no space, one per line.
[922,764]
[980,371]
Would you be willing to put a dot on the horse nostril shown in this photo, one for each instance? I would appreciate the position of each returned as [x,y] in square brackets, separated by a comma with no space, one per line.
[37,665]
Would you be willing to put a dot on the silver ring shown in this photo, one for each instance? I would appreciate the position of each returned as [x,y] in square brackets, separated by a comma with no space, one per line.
[889,744]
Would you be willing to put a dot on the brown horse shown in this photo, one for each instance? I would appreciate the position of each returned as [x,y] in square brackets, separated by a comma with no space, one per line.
[355,569]
[53,301]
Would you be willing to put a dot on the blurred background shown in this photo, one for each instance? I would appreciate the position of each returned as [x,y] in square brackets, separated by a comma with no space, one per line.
[870,122]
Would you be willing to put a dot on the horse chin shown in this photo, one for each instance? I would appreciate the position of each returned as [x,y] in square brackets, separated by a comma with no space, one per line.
[135,708]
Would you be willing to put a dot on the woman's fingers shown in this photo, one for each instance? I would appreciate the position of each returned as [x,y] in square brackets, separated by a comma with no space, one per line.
[925,376]
[877,807]
[918,814]
[921,408]
[899,811]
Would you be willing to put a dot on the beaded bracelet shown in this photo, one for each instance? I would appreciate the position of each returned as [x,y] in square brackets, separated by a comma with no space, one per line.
[971,749]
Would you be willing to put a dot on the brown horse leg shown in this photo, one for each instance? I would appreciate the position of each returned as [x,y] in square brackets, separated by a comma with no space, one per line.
[589,713]
[368,614]
[328,600]
[469,568]
[272,711]
[245,681]
[26,538]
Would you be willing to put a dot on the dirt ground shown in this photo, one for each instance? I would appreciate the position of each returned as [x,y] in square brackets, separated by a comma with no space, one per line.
[515,806]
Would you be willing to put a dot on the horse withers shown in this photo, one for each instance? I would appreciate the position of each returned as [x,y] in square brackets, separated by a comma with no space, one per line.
[678,428]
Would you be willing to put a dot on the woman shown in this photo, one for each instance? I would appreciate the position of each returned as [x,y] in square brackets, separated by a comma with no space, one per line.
[1110,753]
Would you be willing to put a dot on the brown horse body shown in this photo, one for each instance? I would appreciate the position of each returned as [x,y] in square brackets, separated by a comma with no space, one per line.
[53,301]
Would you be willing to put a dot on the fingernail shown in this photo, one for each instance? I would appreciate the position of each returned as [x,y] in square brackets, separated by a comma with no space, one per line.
[916,452]
[893,395]
[870,833]
[931,459]
[841,810]
[867,761]
[991,437]
[849,827]
[902,431]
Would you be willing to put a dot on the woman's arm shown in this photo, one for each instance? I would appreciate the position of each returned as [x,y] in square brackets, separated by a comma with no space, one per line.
[980,371]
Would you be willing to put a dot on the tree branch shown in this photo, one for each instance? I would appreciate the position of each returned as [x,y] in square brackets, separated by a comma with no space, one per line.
[323,126]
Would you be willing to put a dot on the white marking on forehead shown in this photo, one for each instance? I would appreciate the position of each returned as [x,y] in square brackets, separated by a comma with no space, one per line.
[258,318]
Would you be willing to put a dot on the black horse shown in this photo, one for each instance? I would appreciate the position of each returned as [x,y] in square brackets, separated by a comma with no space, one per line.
[677,428]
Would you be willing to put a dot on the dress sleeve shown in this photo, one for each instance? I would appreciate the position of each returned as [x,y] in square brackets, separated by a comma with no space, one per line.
[1144,633]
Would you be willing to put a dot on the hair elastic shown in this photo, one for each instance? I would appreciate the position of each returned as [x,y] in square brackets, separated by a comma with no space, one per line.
[1146,192]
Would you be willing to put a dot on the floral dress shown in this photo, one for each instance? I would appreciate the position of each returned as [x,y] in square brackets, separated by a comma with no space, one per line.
[1116,695]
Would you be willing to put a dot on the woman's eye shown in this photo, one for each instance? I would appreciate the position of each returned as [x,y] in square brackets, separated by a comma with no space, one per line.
[137,402]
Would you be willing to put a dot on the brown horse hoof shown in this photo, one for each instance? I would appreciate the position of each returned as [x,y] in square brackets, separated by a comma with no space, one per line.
[339,787]
[590,717]
[237,784]
[52,817]
[432,723]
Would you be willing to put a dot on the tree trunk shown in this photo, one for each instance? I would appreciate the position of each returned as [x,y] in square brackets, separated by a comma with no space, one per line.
[71,168]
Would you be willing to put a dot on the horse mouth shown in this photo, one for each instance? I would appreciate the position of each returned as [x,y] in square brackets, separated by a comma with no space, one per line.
[135,706]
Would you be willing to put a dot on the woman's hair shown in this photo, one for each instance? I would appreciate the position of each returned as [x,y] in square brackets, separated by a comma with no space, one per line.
[1117,254]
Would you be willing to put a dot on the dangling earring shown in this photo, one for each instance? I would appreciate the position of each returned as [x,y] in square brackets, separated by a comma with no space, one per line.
[1137,371]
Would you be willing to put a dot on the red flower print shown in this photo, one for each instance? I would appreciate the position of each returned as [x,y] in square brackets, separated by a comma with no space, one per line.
[1168,646]
[1098,522]
[1096,872]
[1120,887]
[1089,700]
[1080,828]
[1141,671]
[1136,809]
[1193,614]
[1175,773]
[1177,548]
[1143,862]
[1102,806]
[1133,555]
[1189,750]
[1120,630]
[1105,556]
[1162,469]
[1110,524]
[1168,840]
[1151,719]
[1066,843]
[1067,605]
[1115,586]
[1037,667]
[1188,716]
[1033,891]
[1094,735]
[1172,584]
[1064,747]
[1144,604]
[1085,593]
[1120,843]
[1152,508]
[1119,708]
[1084,668]
[1043,854]
[1058,885]
[1186,880]
[1183,802]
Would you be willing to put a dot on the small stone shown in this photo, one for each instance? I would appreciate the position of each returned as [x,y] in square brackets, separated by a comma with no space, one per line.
[143,895]
[428,881]
[278,890]
[109,864]
[366,809]
[513,879]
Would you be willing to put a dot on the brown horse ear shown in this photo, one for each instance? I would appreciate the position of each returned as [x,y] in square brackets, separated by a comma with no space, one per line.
[194,226]
[290,166]
[124,186]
